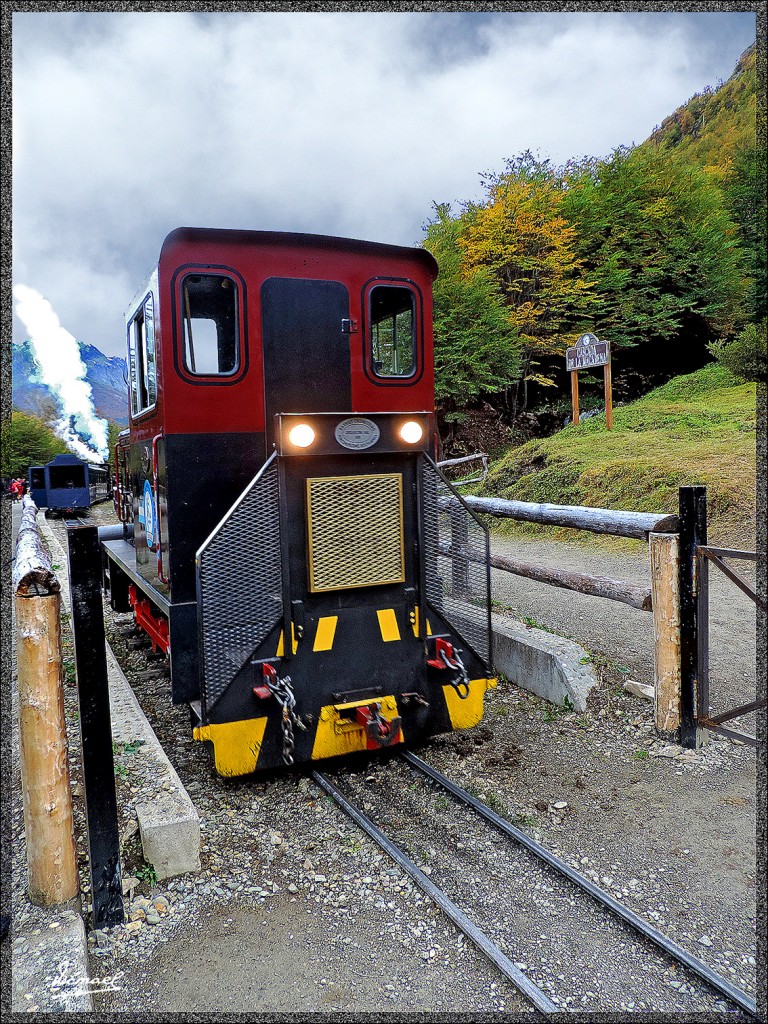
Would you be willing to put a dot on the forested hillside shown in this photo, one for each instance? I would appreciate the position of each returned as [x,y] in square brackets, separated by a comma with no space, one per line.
[716,126]
[659,249]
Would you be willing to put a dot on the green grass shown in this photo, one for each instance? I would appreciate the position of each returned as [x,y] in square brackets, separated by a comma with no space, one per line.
[696,429]
[147,874]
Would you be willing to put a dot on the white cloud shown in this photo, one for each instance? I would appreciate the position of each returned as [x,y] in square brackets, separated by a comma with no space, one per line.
[128,125]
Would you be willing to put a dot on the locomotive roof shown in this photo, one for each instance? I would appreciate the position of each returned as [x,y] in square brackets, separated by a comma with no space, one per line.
[70,459]
[66,459]
[301,240]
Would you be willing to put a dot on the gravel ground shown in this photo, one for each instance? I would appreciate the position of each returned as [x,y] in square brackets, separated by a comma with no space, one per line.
[295,910]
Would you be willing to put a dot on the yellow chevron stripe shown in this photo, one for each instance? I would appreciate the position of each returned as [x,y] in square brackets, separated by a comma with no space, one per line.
[326,630]
[281,643]
[388,624]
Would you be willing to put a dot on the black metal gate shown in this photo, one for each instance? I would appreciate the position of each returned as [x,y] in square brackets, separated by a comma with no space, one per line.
[695,558]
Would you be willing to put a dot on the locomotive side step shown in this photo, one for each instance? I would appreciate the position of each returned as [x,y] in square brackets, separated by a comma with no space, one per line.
[123,555]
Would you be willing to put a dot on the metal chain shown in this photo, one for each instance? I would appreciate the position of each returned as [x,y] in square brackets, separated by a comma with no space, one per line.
[283,693]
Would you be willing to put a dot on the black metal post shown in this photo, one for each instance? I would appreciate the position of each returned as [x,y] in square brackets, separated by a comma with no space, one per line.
[702,631]
[95,724]
[693,618]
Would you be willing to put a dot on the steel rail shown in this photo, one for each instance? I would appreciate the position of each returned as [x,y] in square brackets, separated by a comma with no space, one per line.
[529,989]
[716,981]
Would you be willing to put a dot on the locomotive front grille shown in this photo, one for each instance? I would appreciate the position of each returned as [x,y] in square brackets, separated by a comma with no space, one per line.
[355,531]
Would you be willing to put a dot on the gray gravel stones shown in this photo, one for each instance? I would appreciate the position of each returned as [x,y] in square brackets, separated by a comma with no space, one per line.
[283,871]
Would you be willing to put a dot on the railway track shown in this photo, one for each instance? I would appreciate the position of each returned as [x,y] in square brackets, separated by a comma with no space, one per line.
[533,992]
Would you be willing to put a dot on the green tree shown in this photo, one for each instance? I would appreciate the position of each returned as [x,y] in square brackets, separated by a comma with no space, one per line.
[477,351]
[27,441]
[745,193]
[655,234]
[113,429]
[522,236]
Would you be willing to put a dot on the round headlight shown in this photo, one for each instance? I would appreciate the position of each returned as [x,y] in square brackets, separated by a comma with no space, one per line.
[411,432]
[302,435]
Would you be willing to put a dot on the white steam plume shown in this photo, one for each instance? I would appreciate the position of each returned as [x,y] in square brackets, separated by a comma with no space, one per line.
[57,354]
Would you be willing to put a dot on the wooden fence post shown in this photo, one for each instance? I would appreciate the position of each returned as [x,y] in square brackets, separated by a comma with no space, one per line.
[664,551]
[47,797]
[575,396]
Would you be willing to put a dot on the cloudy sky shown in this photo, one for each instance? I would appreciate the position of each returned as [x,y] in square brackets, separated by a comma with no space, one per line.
[127,125]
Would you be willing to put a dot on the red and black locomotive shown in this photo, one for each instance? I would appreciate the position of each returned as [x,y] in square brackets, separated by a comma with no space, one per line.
[288,539]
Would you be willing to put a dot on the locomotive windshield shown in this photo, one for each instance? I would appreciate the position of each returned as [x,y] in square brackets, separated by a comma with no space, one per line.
[209,315]
[67,476]
[393,333]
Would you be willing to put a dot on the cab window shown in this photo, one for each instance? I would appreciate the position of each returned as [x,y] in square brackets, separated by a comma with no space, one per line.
[392,326]
[210,345]
[142,358]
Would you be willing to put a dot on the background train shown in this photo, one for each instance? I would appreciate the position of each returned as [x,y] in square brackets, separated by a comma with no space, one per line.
[287,538]
[69,485]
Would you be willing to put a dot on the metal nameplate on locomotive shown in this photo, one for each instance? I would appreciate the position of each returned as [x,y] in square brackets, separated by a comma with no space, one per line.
[357,433]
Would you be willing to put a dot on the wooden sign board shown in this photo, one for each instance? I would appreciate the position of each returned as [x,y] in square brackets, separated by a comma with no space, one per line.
[582,357]
[586,353]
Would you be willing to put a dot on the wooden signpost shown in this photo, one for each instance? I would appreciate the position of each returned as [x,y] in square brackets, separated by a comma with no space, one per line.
[586,353]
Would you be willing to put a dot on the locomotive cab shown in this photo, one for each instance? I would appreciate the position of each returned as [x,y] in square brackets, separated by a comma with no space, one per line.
[289,541]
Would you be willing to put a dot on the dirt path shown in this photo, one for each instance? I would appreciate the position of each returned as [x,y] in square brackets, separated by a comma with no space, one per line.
[622,634]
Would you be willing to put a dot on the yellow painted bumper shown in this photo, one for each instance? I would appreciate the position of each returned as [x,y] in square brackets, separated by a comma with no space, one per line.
[236,745]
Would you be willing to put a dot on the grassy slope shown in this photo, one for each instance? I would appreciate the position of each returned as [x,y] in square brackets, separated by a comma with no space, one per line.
[696,429]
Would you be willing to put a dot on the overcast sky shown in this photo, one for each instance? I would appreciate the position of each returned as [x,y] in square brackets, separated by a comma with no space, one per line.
[127,125]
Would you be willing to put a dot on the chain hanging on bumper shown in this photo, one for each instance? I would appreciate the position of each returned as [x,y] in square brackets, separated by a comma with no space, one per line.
[282,691]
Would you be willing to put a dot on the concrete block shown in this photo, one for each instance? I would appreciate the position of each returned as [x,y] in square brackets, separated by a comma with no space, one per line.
[168,821]
[550,666]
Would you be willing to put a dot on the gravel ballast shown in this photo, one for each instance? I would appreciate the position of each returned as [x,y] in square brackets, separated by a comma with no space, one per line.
[295,910]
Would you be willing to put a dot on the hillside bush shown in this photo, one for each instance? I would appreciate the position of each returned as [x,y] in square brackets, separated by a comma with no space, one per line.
[746,356]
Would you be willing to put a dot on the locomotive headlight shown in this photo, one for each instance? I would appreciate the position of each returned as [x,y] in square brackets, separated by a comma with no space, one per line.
[411,432]
[302,435]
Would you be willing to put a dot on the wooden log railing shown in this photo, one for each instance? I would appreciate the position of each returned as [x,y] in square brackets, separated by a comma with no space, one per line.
[32,571]
[48,820]
[578,517]
[480,474]
[633,594]
[637,525]
[662,597]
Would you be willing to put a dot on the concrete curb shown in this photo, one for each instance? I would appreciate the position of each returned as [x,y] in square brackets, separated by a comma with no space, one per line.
[543,663]
[168,822]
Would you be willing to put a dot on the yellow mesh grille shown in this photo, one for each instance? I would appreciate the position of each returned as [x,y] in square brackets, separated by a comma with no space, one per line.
[355,531]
